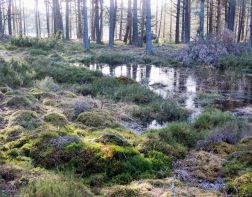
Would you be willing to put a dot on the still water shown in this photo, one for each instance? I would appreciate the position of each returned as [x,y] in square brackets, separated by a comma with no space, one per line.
[192,88]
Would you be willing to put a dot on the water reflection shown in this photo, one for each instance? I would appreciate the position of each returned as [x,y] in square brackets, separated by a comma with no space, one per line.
[233,89]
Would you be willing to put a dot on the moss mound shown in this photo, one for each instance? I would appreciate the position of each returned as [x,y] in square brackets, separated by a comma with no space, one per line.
[18,102]
[202,165]
[13,133]
[96,119]
[25,118]
[55,119]
[244,184]
[112,138]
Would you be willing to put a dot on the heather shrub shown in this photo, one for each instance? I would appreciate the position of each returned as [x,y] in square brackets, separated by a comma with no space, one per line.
[211,49]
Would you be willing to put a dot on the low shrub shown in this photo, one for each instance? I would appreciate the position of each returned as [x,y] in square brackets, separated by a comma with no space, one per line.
[15,73]
[212,118]
[41,43]
[26,119]
[18,102]
[114,58]
[55,185]
[47,84]
[181,133]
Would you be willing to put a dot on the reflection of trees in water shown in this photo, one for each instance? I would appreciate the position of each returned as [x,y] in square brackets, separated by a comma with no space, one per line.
[248,90]
[134,69]
[128,72]
[234,86]
[148,72]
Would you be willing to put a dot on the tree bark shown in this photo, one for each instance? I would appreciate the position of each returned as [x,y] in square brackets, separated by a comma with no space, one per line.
[129,24]
[143,22]
[148,28]
[251,23]
[202,17]
[86,43]
[121,20]
[177,22]
[231,14]
[187,21]
[47,18]
[135,24]
[67,20]
[97,23]
[111,24]
[9,13]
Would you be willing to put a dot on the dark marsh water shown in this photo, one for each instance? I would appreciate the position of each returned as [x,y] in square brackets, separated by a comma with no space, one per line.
[192,88]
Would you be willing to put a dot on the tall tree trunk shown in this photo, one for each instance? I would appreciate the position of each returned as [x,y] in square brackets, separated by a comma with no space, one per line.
[13,18]
[177,22]
[251,23]
[241,20]
[57,19]
[24,21]
[47,18]
[9,13]
[231,14]
[92,19]
[97,23]
[37,19]
[187,21]
[67,20]
[160,20]
[143,22]
[111,24]
[129,24]
[171,21]
[135,24]
[164,22]
[183,22]
[121,20]
[148,28]
[101,20]
[79,31]
[86,43]
[20,19]
[210,17]
[218,21]
[202,17]
[1,20]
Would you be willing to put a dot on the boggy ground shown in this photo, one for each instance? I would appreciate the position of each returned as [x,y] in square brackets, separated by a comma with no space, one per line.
[62,134]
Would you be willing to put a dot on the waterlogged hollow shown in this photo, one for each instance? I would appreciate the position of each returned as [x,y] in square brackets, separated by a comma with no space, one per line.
[192,88]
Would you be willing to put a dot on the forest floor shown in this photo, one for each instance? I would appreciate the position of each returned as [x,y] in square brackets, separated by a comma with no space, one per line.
[63,133]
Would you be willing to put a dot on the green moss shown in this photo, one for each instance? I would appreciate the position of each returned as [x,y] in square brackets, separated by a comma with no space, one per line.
[112,138]
[25,118]
[18,102]
[13,133]
[244,184]
[96,119]
[55,119]
[238,162]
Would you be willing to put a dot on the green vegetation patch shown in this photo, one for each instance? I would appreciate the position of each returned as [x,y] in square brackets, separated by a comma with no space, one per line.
[25,118]
[96,119]
[56,119]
